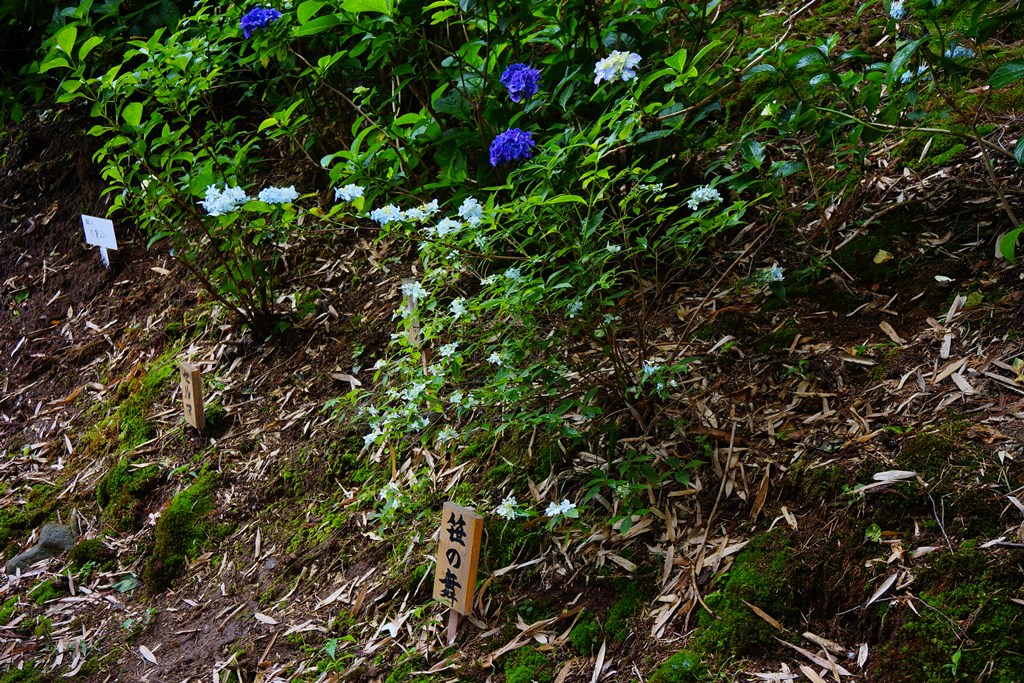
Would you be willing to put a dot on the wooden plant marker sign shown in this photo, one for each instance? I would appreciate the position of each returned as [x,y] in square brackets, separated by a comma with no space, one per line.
[458,554]
[192,395]
[99,232]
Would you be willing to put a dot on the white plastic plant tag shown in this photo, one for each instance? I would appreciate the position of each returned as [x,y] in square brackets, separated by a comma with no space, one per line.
[99,232]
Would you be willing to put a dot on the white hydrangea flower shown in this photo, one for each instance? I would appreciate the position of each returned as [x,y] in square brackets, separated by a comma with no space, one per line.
[387,214]
[774,274]
[389,491]
[702,195]
[348,193]
[617,65]
[613,248]
[421,212]
[219,202]
[574,308]
[495,359]
[471,211]
[896,10]
[278,195]
[513,273]
[449,350]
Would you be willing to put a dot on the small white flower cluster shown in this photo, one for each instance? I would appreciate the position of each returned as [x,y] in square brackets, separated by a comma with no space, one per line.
[392,214]
[457,307]
[389,491]
[896,10]
[702,195]
[774,274]
[278,195]
[508,508]
[617,65]
[219,202]
[414,290]
[574,307]
[563,508]
[348,193]
[445,227]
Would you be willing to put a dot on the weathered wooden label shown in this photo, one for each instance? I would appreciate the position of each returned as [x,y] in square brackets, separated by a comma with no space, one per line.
[192,395]
[458,554]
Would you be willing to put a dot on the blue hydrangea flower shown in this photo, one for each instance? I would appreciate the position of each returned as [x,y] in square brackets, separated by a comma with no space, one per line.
[617,65]
[258,18]
[955,52]
[219,202]
[521,81]
[896,10]
[512,145]
[278,195]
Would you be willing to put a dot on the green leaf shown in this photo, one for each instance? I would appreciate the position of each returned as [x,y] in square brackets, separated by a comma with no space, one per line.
[1008,245]
[53,64]
[678,60]
[1008,73]
[760,69]
[901,58]
[318,25]
[307,9]
[382,6]
[1018,151]
[66,37]
[88,46]
[132,114]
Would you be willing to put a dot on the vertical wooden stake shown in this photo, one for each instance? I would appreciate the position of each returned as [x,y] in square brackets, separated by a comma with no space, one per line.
[454,620]
[192,396]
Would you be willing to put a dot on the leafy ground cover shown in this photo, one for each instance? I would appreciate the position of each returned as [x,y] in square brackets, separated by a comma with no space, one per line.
[726,348]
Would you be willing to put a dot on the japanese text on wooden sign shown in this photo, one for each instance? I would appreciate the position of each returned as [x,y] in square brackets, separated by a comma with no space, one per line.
[192,395]
[458,554]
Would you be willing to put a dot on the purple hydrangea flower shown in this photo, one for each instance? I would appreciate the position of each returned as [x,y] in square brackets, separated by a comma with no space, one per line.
[521,81]
[258,18]
[512,145]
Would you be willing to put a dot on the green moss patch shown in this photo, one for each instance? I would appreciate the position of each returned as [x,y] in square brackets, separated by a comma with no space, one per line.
[122,492]
[528,665]
[180,532]
[763,574]
[17,522]
[682,667]
[964,629]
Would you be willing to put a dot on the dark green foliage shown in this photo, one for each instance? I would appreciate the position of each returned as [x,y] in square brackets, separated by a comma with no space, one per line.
[401,673]
[122,491]
[528,665]
[682,667]
[626,607]
[586,635]
[18,522]
[92,551]
[46,591]
[27,674]
[180,532]
[966,630]
[507,540]
[7,610]
[763,574]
